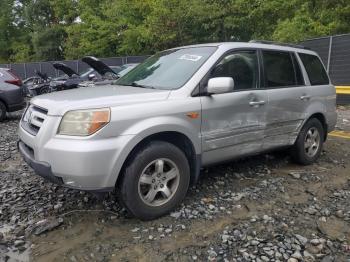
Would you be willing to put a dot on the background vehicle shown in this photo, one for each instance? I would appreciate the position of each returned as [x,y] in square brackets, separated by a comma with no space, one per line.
[11,92]
[69,80]
[119,70]
[148,135]
[37,85]
[99,71]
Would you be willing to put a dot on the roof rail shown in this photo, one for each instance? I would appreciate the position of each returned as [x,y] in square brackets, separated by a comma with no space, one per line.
[277,43]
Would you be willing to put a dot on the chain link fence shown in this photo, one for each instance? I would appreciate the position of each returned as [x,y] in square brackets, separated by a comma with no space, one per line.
[25,70]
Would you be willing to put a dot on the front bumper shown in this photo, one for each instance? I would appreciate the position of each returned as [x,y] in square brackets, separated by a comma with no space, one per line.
[43,169]
[86,164]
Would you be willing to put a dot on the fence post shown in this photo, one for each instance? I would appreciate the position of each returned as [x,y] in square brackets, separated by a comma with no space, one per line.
[329,52]
[25,70]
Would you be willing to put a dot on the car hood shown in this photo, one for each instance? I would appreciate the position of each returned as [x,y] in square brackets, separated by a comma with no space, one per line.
[64,68]
[59,103]
[97,65]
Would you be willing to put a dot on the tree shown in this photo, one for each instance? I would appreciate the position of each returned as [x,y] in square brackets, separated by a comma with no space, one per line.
[7,29]
[70,29]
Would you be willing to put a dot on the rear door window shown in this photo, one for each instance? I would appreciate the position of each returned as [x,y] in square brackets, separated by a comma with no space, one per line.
[279,69]
[315,70]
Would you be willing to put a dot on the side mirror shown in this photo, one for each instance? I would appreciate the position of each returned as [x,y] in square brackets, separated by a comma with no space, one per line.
[91,76]
[220,85]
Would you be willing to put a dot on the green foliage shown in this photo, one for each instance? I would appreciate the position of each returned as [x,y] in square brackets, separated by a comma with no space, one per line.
[6,29]
[70,29]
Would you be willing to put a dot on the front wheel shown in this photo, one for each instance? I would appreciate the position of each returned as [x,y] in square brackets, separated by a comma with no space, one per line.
[44,90]
[308,145]
[155,180]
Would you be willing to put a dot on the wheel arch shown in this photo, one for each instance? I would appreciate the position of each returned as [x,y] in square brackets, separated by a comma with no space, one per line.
[180,140]
[321,117]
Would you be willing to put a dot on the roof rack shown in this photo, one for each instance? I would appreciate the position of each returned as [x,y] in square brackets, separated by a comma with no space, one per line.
[277,43]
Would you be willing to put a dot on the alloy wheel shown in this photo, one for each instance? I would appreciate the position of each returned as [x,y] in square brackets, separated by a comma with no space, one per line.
[158,182]
[312,142]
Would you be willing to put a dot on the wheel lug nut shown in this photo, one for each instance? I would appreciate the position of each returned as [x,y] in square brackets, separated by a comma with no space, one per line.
[161,186]
[153,180]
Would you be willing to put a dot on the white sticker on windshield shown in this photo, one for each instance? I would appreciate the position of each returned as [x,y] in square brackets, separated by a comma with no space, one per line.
[193,58]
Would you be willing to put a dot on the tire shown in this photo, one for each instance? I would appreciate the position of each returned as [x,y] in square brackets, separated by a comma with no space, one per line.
[158,171]
[309,143]
[44,90]
[2,111]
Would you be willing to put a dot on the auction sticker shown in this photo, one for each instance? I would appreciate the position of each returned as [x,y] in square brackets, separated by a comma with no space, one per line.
[189,57]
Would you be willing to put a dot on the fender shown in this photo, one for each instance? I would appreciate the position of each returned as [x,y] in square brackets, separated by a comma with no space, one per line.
[148,127]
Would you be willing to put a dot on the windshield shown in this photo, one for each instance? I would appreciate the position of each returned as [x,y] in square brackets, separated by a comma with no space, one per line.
[169,70]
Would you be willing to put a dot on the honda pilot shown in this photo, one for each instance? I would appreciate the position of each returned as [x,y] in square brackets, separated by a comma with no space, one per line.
[147,136]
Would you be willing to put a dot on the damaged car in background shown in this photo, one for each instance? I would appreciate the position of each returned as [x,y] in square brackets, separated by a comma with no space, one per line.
[98,73]
[108,77]
[37,85]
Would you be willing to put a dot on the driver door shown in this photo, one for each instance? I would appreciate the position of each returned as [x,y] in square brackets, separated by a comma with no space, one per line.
[233,123]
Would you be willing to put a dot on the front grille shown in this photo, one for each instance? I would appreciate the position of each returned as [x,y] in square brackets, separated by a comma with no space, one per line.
[33,119]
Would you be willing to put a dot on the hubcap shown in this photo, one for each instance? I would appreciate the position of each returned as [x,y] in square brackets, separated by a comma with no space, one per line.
[158,182]
[312,142]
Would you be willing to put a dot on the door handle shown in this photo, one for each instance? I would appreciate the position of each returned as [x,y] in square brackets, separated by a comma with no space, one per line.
[305,97]
[256,103]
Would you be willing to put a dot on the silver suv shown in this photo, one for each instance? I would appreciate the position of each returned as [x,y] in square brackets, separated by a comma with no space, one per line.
[148,135]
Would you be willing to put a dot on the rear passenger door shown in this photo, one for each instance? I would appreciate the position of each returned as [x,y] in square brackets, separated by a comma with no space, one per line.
[286,91]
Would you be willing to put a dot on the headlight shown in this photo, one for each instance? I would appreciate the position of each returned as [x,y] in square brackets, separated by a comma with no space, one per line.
[84,122]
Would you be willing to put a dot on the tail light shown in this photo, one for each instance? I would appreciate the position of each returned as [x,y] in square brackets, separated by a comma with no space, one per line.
[16,81]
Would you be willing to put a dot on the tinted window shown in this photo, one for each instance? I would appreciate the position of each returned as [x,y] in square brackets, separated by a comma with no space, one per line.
[315,70]
[279,69]
[241,66]
[170,69]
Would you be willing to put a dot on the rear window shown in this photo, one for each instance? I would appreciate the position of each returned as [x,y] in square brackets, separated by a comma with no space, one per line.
[315,70]
[279,69]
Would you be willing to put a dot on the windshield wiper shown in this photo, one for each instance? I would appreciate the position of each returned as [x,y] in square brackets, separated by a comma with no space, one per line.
[141,86]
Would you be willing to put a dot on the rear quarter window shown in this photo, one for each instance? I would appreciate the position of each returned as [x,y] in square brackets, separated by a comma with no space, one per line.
[315,70]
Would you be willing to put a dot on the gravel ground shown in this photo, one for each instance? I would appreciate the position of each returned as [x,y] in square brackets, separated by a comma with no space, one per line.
[262,208]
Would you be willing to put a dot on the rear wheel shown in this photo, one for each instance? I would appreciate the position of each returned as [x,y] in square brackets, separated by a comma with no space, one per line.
[155,180]
[309,143]
[2,111]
